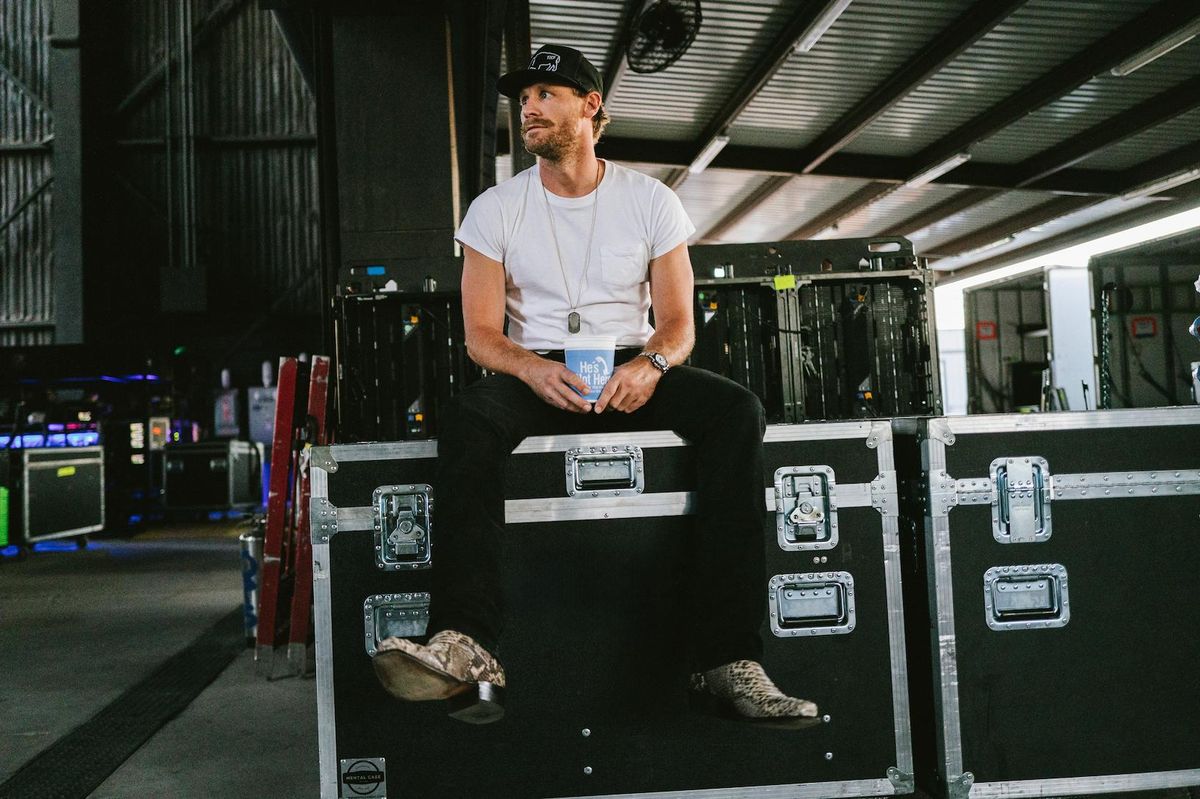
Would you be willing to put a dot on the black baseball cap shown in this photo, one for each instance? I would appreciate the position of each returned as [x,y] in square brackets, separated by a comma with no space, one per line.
[554,63]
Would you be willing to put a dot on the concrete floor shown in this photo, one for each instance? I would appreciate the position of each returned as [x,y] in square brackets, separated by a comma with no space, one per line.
[80,627]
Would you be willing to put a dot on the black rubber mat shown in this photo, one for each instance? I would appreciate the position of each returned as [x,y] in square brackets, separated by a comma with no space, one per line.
[76,764]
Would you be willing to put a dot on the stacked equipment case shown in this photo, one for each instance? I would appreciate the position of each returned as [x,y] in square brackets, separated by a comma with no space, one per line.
[828,329]
[597,685]
[1051,567]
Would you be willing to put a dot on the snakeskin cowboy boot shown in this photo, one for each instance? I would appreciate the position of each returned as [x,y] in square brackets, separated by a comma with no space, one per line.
[451,666]
[741,690]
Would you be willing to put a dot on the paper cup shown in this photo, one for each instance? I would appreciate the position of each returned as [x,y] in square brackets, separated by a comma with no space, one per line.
[591,357]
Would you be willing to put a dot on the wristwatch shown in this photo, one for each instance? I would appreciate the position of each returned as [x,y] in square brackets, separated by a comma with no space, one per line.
[656,358]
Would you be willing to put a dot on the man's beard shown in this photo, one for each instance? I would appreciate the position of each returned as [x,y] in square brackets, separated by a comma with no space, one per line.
[555,143]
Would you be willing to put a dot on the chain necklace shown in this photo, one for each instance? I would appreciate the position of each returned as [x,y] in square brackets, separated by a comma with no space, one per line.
[573,316]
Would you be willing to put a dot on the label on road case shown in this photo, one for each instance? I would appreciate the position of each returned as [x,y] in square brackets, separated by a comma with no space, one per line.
[364,777]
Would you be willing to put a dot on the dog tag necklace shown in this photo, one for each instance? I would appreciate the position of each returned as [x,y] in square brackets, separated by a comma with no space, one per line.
[573,316]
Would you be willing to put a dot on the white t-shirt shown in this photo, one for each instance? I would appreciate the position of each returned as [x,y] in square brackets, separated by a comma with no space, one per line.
[637,219]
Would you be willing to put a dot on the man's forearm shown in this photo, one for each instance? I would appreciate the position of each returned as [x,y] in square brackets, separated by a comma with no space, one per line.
[674,341]
[496,352]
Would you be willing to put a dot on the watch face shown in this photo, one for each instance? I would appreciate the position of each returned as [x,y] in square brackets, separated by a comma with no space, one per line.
[659,360]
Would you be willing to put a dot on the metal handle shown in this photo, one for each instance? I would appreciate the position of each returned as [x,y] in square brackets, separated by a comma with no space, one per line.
[403,522]
[805,512]
[1021,510]
[605,471]
[817,603]
[1026,597]
[394,616]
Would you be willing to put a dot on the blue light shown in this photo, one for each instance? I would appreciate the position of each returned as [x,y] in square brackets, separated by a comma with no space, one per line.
[10,551]
[57,440]
[55,428]
[55,546]
[134,518]
[111,379]
[4,441]
[375,271]
[215,515]
[33,441]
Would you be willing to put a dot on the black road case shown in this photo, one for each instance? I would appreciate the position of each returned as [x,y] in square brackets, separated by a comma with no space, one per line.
[597,698]
[1060,619]
[213,475]
[57,493]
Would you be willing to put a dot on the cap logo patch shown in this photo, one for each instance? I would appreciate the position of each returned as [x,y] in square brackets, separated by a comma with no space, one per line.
[546,62]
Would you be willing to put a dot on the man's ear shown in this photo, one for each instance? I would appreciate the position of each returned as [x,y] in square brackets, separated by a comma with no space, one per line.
[591,104]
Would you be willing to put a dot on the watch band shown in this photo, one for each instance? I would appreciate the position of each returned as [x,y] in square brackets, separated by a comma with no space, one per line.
[656,358]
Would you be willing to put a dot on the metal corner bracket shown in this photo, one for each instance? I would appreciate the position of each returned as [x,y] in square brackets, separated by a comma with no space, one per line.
[881,433]
[939,430]
[960,787]
[323,520]
[903,781]
[322,458]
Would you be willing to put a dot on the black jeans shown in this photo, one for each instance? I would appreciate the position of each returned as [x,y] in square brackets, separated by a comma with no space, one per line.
[724,421]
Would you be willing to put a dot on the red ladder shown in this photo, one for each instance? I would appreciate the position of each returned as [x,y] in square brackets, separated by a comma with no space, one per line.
[299,639]
[277,507]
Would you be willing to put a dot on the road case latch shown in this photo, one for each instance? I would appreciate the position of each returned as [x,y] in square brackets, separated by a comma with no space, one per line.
[605,471]
[817,603]
[1021,506]
[394,616]
[402,522]
[1026,597]
[805,509]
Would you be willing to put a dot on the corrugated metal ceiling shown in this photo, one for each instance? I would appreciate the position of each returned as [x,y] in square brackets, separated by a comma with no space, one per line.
[659,118]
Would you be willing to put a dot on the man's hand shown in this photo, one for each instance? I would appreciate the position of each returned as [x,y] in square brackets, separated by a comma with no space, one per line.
[553,381]
[630,386]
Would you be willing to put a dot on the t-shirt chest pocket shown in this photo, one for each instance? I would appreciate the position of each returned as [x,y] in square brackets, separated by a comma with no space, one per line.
[623,267]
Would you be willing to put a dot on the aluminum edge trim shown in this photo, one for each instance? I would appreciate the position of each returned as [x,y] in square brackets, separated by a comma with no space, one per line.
[895,604]
[816,431]
[382,450]
[523,511]
[942,598]
[805,790]
[326,720]
[1108,783]
[843,495]
[33,466]
[1074,420]
[323,632]
[645,440]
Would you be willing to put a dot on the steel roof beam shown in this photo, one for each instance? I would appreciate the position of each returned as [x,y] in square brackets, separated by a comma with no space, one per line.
[1163,166]
[837,212]
[1160,20]
[880,168]
[944,210]
[1110,50]
[616,65]
[772,60]
[981,18]
[1032,217]
[1186,196]
[768,187]
[972,26]
[1155,111]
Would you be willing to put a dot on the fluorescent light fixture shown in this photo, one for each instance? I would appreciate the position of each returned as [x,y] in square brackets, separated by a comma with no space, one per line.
[1158,49]
[1163,185]
[820,26]
[710,151]
[933,173]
